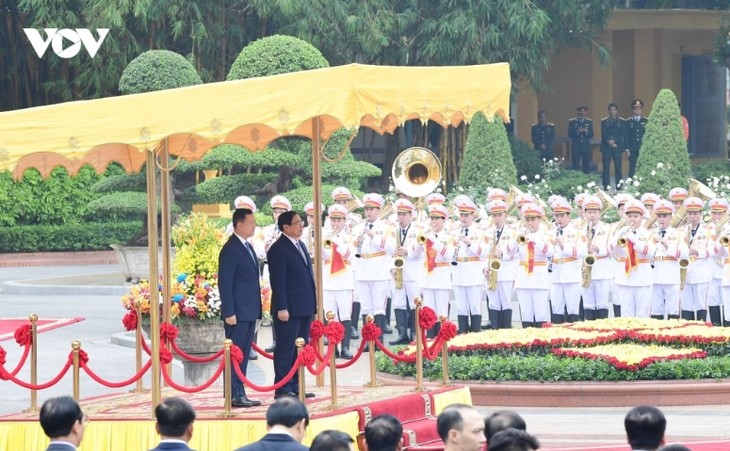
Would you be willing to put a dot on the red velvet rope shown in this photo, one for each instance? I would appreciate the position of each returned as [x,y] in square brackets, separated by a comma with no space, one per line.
[124,383]
[21,363]
[427,318]
[24,335]
[199,388]
[165,356]
[168,332]
[146,347]
[7,376]
[264,388]
[354,358]
[262,352]
[396,357]
[186,356]
[325,362]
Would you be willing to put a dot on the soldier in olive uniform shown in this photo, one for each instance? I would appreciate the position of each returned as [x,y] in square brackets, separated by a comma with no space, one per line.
[543,136]
[580,132]
[612,144]
[635,128]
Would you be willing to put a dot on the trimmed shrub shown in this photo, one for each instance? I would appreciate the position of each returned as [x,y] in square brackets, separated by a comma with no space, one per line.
[487,156]
[709,169]
[231,156]
[526,159]
[663,147]
[71,237]
[131,182]
[223,190]
[121,206]
[276,55]
[155,70]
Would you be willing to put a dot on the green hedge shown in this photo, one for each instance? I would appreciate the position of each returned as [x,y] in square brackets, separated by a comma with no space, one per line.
[709,169]
[224,189]
[121,206]
[130,182]
[72,237]
[526,159]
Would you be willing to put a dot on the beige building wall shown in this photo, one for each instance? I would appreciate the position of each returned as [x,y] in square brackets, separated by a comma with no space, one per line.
[647,49]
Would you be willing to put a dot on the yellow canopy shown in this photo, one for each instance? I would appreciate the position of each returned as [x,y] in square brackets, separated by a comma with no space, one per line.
[250,112]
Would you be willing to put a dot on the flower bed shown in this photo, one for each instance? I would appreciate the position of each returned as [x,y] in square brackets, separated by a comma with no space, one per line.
[612,349]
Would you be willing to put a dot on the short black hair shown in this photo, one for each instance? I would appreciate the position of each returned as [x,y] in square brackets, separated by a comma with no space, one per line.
[501,420]
[286,218]
[512,439]
[58,416]
[240,215]
[645,426]
[287,411]
[383,433]
[174,415]
[331,440]
[612,105]
[450,419]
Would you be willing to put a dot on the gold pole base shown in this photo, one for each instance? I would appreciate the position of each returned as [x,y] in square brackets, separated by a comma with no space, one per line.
[225,414]
[140,390]
[372,384]
[31,410]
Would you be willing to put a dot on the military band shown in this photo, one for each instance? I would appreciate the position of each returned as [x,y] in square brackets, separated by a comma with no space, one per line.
[662,258]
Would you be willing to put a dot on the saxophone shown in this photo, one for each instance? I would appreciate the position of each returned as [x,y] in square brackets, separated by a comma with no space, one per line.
[398,263]
[495,264]
[588,261]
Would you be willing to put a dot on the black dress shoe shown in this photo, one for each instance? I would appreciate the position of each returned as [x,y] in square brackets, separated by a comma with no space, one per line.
[280,394]
[346,354]
[271,348]
[309,395]
[353,333]
[387,329]
[253,402]
[253,355]
[241,402]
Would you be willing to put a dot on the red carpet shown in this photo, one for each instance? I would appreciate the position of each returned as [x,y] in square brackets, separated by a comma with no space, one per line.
[9,325]
[694,446]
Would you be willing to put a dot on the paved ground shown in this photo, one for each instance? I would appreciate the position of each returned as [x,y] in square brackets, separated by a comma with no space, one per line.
[93,291]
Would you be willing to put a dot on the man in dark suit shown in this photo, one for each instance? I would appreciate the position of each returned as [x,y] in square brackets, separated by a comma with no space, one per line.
[580,132]
[175,419]
[612,144]
[287,420]
[543,136]
[645,427]
[635,129]
[63,422]
[293,297]
[238,282]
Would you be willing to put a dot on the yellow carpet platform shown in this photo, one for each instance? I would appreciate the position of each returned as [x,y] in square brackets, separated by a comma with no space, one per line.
[120,422]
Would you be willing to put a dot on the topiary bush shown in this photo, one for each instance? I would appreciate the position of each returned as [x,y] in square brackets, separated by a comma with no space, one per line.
[223,190]
[121,206]
[487,156]
[232,156]
[155,70]
[69,237]
[276,55]
[131,182]
[663,148]
[526,159]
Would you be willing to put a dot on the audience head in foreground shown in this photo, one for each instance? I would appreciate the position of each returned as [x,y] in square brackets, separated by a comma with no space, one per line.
[332,440]
[502,420]
[645,426]
[512,439]
[461,428]
[175,418]
[63,421]
[384,433]
[287,420]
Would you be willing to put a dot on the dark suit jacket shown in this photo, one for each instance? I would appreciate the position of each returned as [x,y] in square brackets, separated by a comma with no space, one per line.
[59,447]
[171,446]
[292,281]
[238,282]
[580,139]
[277,442]
[613,129]
[635,132]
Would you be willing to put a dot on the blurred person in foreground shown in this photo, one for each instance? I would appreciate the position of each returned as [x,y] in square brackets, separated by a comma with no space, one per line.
[63,422]
[502,420]
[461,428]
[331,440]
[384,433]
[286,421]
[175,418]
[645,427]
[512,439]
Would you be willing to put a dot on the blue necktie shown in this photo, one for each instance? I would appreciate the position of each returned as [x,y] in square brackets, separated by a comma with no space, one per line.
[250,251]
[302,251]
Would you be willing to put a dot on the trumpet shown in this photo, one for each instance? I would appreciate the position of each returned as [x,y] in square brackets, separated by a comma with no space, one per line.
[327,243]
[622,241]
[724,240]
[521,239]
[421,239]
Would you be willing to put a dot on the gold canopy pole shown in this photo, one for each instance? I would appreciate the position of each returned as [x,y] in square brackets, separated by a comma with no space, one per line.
[154,292]
[165,190]
[317,199]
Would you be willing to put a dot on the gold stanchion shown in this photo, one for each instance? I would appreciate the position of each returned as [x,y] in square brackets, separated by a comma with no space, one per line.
[333,368]
[444,355]
[371,358]
[33,362]
[139,387]
[419,345]
[302,394]
[75,346]
[227,374]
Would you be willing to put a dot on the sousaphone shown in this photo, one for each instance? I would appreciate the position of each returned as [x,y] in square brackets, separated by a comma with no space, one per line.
[416,172]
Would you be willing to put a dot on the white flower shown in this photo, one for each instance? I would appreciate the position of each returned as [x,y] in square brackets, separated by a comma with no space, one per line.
[461,190]
[636,183]
[591,185]
[653,172]
[579,188]
[659,165]
[523,178]
[537,176]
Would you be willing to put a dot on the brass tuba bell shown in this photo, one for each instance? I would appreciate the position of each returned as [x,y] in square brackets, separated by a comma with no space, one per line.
[696,189]
[416,172]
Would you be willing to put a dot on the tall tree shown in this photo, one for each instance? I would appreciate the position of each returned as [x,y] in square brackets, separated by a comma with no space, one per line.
[487,156]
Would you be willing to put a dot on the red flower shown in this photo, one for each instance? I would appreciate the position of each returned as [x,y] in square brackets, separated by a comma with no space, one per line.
[316,330]
[130,320]
[168,332]
[23,335]
[335,332]
[236,354]
[371,332]
[308,355]
[448,330]
[3,355]
[427,318]
[165,355]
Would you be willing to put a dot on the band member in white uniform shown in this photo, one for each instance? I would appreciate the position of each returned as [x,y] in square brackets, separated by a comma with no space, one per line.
[632,247]
[598,233]
[338,280]
[670,248]
[569,249]
[374,248]
[407,248]
[677,196]
[699,272]
[467,276]
[308,231]
[619,267]
[718,213]
[439,255]
[502,247]
[531,281]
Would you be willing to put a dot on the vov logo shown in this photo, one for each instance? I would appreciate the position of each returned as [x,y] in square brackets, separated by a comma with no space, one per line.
[79,37]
